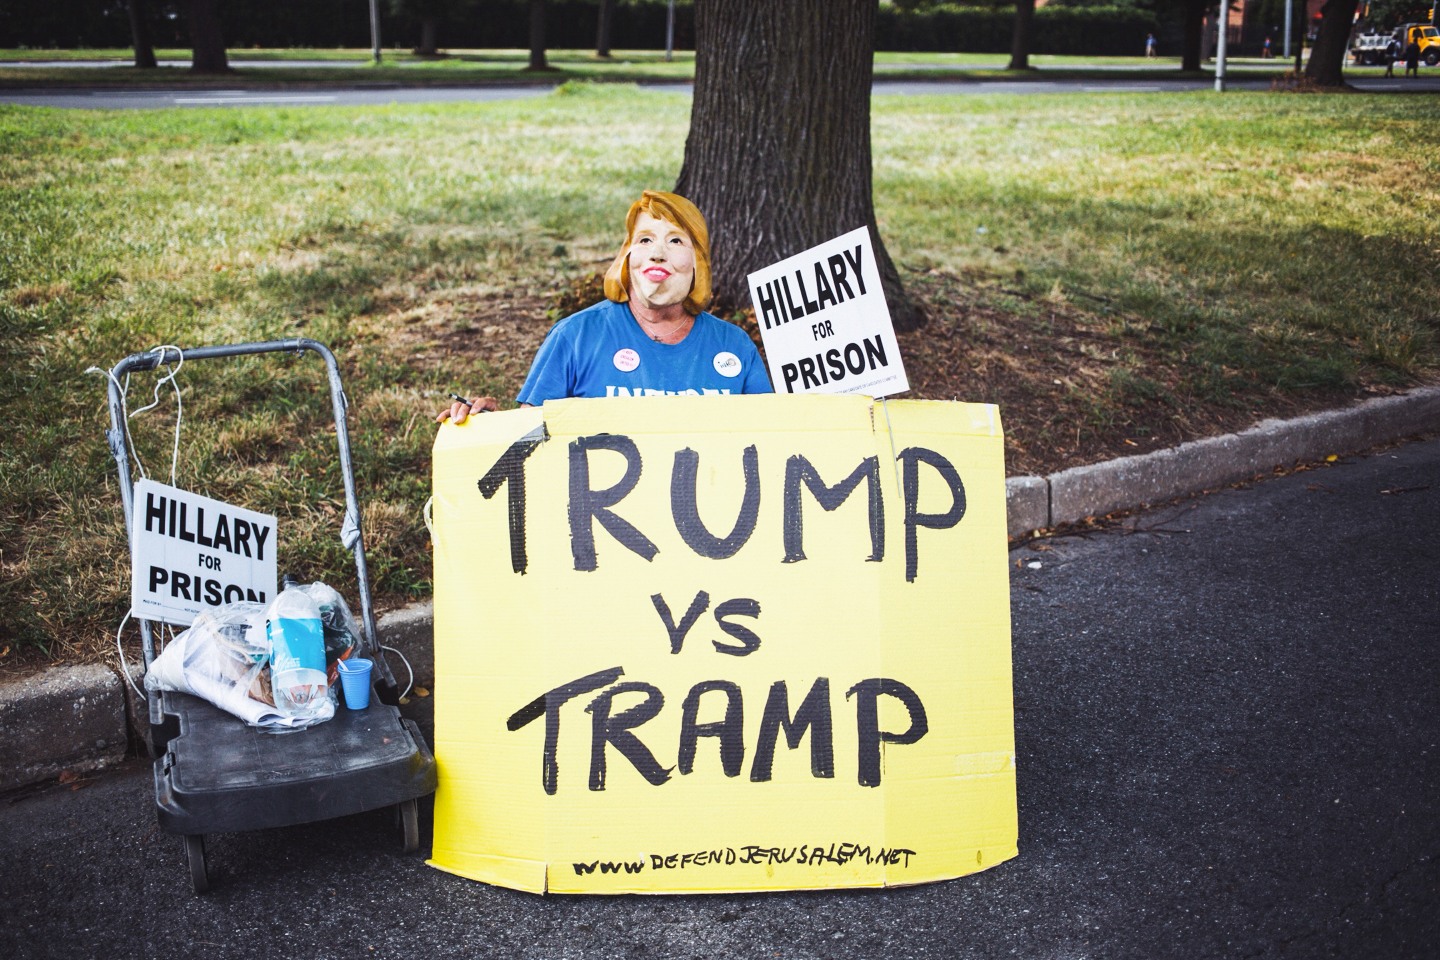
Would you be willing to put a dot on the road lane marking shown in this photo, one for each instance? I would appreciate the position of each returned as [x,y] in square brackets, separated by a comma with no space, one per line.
[250,99]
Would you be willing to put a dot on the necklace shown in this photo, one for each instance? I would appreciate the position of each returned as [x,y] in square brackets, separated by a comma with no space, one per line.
[676,333]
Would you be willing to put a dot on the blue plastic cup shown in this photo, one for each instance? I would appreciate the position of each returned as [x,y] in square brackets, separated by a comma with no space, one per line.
[355,681]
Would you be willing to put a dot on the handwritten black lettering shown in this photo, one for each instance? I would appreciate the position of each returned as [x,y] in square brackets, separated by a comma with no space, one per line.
[749,639]
[685,509]
[813,715]
[511,467]
[730,731]
[678,632]
[549,705]
[912,457]
[587,504]
[800,470]
[615,730]
[609,866]
[867,721]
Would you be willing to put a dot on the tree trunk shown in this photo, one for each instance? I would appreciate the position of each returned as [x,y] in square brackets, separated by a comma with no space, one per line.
[537,36]
[778,155]
[1190,57]
[1327,57]
[428,33]
[206,41]
[603,28]
[1020,41]
[140,35]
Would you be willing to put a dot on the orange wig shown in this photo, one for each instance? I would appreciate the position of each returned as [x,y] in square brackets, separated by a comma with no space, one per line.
[683,214]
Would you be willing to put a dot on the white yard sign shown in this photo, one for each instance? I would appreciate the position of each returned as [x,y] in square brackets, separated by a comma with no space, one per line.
[825,323]
[190,552]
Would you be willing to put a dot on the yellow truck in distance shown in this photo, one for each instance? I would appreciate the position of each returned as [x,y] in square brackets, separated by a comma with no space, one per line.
[1424,35]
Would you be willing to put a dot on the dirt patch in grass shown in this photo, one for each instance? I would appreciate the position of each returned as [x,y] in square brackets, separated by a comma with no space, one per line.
[1076,383]
[1076,380]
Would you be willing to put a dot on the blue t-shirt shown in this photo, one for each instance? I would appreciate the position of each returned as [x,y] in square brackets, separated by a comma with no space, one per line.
[602,352]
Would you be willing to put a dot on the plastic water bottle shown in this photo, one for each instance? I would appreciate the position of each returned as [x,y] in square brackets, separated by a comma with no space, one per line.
[297,653]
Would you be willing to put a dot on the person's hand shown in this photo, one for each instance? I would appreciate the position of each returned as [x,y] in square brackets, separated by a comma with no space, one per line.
[458,411]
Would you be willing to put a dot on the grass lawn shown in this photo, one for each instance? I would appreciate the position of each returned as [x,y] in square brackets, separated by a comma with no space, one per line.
[1118,271]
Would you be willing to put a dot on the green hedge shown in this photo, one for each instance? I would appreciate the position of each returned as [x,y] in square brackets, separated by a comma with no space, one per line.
[1092,31]
[569,24]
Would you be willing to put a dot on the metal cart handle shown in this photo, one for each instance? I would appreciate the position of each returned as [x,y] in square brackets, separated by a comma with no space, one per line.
[149,360]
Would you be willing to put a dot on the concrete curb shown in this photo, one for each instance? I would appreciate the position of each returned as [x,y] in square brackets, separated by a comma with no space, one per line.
[1128,483]
[74,719]
[66,718]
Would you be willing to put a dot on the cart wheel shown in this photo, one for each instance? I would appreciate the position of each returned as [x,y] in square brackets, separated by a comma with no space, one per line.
[409,813]
[195,853]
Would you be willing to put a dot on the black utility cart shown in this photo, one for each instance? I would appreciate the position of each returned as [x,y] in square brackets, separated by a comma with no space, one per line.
[214,773]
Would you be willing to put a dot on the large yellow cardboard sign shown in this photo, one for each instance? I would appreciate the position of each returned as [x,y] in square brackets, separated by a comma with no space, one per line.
[721,644]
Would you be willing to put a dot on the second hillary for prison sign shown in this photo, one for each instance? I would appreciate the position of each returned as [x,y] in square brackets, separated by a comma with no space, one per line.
[825,323]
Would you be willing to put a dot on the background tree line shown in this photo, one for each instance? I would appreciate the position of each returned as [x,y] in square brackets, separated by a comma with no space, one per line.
[1098,27]
[480,24]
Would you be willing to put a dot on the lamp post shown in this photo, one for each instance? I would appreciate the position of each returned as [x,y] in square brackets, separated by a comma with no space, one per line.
[375,29]
[1220,46]
[669,31]
[1300,40]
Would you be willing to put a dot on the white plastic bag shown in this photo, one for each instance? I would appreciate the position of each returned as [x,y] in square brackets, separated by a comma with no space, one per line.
[224,658]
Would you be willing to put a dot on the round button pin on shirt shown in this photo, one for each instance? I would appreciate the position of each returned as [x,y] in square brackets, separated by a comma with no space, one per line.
[626,360]
[727,364]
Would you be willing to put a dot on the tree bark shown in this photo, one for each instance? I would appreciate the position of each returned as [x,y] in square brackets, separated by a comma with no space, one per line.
[778,155]
[206,41]
[429,31]
[603,28]
[1327,57]
[537,36]
[1024,29]
[140,35]
[1191,55]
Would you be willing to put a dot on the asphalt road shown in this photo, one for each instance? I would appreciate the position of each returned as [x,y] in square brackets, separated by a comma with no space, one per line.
[1227,714]
[382,94]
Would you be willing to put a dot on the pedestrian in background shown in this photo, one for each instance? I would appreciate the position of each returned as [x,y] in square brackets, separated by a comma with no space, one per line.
[1150,45]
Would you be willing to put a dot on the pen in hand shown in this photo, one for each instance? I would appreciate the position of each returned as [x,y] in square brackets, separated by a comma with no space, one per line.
[460,410]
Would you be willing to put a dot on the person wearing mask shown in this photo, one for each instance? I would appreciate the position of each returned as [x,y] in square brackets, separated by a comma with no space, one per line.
[651,335]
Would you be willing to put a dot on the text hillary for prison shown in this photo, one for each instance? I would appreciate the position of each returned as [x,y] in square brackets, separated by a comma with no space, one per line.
[777,304]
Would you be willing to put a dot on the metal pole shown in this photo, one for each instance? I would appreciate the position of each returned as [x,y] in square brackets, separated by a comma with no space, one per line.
[669,31]
[1300,40]
[1220,46]
[375,29]
[1289,16]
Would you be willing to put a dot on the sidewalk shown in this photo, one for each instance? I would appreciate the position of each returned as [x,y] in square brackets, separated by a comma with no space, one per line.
[73,720]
